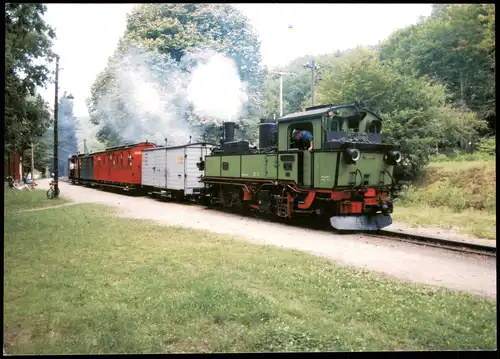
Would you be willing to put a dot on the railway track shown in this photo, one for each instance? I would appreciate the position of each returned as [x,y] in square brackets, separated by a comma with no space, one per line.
[457,246]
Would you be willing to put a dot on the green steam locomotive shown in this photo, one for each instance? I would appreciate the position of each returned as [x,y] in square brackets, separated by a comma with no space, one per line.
[346,178]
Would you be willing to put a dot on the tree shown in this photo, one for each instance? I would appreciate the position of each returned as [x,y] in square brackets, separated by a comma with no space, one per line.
[454,47]
[414,110]
[27,42]
[67,145]
[296,86]
[164,36]
[488,108]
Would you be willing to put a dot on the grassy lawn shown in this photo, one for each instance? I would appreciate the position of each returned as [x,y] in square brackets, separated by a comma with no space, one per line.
[458,195]
[479,224]
[16,201]
[78,280]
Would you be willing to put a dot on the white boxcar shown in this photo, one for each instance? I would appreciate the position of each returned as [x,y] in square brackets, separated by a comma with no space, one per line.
[173,168]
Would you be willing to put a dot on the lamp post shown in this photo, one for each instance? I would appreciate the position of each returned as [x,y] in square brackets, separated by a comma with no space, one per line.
[281,89]
[314,68]
[32,160]
[56,130]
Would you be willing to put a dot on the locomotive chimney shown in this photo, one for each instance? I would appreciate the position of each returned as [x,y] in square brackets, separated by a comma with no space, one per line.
[229,131]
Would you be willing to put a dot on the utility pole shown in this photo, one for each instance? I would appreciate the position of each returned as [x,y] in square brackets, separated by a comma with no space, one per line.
[85,149]
[32,160]
[314,68]
[56,131]
[281,89]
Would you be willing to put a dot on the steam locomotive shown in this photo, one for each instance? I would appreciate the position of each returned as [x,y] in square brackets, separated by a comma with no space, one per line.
[347,179]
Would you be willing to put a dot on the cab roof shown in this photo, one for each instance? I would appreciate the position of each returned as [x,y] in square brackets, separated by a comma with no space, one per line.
[321,110]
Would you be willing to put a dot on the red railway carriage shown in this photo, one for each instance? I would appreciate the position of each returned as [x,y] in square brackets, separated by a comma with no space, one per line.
[120,165]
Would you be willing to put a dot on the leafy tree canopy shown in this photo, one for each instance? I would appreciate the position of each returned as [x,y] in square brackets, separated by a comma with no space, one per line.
[165,34]
[28,42]
[455,46]
[67,144]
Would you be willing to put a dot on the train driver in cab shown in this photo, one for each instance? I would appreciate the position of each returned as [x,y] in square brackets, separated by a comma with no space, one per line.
[304,139]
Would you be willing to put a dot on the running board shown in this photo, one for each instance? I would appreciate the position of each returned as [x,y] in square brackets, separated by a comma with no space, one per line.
[360,223]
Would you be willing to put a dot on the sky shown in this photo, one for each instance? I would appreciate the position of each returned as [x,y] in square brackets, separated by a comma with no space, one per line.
[87,34]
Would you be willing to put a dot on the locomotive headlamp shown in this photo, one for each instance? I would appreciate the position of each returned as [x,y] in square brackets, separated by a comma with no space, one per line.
[352,155]
[393,157]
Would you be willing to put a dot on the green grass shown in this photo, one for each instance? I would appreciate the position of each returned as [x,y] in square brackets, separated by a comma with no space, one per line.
[453,195]
[464,157]
[479,224]
[79,280]
[15,200]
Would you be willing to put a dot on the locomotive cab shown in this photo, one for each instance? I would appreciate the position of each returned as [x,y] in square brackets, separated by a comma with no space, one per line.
[349,160]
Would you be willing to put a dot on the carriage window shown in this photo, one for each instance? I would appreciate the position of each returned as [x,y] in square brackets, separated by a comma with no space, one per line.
[129,159]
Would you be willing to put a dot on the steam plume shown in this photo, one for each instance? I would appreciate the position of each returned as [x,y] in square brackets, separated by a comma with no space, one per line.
[156,97]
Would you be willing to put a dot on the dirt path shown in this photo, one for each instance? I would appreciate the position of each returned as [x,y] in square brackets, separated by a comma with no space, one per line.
[399,260]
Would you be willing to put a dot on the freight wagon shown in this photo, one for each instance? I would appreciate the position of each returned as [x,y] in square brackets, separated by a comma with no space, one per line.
[172,171]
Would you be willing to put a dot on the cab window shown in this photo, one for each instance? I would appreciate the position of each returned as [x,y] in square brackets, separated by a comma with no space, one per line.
[374,126]
[336,124]
[301,126]
[353,124]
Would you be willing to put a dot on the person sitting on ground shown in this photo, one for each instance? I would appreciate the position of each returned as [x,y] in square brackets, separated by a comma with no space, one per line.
[20,187]
[29,179]
[304,137]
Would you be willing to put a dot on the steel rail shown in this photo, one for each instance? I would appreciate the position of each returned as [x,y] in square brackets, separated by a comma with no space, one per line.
[457,246]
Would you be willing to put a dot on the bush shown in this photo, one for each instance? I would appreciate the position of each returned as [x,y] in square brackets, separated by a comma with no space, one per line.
[460,189]
[461,157]
[487,146]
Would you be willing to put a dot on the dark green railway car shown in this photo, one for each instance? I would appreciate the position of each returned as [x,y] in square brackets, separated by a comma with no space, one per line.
[86,170]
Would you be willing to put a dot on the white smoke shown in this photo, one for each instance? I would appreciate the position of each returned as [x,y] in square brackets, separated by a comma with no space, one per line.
[165,99]
[215,89]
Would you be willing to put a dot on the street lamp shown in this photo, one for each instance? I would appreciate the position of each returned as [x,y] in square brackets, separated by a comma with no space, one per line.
[314,68]
[281,88]
[56,130]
